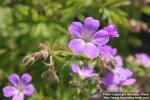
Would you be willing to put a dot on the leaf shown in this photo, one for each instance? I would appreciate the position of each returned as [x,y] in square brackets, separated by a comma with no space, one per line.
[23,10]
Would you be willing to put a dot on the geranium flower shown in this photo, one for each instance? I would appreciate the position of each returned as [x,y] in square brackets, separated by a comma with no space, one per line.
[143,59]
[117,78]
[87,38]
[20,87]
[84,72]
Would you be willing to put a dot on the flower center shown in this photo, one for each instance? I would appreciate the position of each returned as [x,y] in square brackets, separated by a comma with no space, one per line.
[21,87]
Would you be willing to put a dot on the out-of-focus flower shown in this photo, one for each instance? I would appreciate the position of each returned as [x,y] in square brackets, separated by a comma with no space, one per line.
[117,78]
[107,53]
[111,29]
[84,72]
[137,26]
[118,61]
[143,59]
[87,38]
[21,87]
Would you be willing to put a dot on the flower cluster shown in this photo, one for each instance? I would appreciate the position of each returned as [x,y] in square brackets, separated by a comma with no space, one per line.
[143,59]
[21,86]
[93,43]
[88,39]
[117,78]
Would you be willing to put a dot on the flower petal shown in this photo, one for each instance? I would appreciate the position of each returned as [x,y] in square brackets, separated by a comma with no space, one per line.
[129,82]
[87,69]
[76,45]
[91,50]
[75,29]
[91,24]
[29,90]
[75,68]
[8,91]
[19,96]
[94,74]
[114,88]
[111,29]
[118,61]
[26,78]
[111,78]
[14,79]
[100,38]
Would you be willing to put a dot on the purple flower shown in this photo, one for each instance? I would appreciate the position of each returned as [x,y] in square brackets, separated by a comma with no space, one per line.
[118,61]
[87,38]
[21,86]
[143,59]
[111,29]
[107,53]
[84,72]
[117,78]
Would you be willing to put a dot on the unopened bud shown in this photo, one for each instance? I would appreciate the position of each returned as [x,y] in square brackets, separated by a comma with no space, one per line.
[28,60]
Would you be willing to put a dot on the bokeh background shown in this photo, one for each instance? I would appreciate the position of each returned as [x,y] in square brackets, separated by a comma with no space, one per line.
[26,23]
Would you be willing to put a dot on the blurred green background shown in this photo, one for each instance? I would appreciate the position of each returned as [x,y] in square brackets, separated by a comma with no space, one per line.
[26,23]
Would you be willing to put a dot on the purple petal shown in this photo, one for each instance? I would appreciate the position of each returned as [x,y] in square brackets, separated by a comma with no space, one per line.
[91,25]
[91,50]
[108,79]
[108,49]
[75,29]
[118,61]
[111,29]
[19,96]
[9,91]
[75,68]
[123,73]
[94,74]
[129,82]
[87,69]
[114,88]
[100,38]
[26,78]
[29,90]
[127,72]
[76,45]
[14,79]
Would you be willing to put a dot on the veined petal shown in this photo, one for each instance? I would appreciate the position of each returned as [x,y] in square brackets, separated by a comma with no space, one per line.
[19,96]
[9,91]
[29,90]
[26,78]
[91,24]
[75,68]
[100,38]
[14,79]
[76,45]
[91,50]
[129,82]
[75,29]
